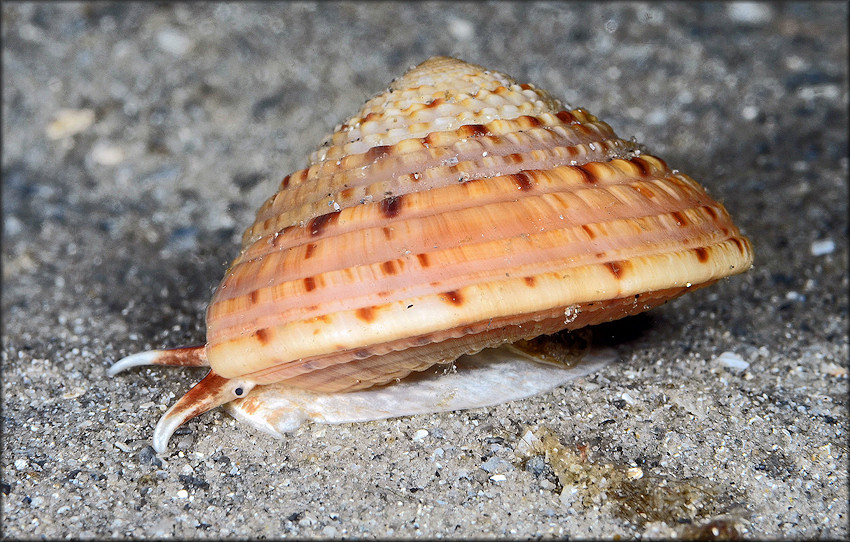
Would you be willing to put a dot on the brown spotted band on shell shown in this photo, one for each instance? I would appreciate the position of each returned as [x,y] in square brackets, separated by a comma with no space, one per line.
[458,210]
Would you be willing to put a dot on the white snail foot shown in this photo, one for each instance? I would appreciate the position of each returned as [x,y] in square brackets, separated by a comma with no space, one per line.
[491,377]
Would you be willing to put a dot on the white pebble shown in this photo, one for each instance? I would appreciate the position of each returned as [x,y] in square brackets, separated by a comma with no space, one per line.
[656,117]
[172,41]
[21,464]
[750,112]
[461,29]
[498,477]
[105,154]
[527,443]
[182,494]
[568,495]
[69,122]
[496,465]
[822,247]
[794,296]
[13,226]
[732,361]
[419,435]
[123,447]
[73,393]
[750,12]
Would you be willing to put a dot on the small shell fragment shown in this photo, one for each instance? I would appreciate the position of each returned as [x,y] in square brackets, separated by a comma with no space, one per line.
[732,361]
[634,473]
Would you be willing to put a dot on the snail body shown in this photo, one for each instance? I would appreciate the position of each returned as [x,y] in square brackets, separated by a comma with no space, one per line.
[457,211]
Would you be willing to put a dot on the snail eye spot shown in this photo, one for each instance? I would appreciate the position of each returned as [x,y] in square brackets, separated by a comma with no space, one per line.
[239,392]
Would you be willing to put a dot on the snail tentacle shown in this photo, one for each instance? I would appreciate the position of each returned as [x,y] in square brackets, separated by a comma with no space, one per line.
[212,391]
[184,356]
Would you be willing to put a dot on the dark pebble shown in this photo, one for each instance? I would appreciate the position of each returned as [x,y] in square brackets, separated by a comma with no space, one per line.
[147,456]
[536,465]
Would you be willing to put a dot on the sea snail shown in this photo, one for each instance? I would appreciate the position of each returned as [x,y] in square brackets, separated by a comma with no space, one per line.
[456,211]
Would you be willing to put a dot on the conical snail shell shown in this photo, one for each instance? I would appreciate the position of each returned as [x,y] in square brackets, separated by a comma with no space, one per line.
[456,211]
